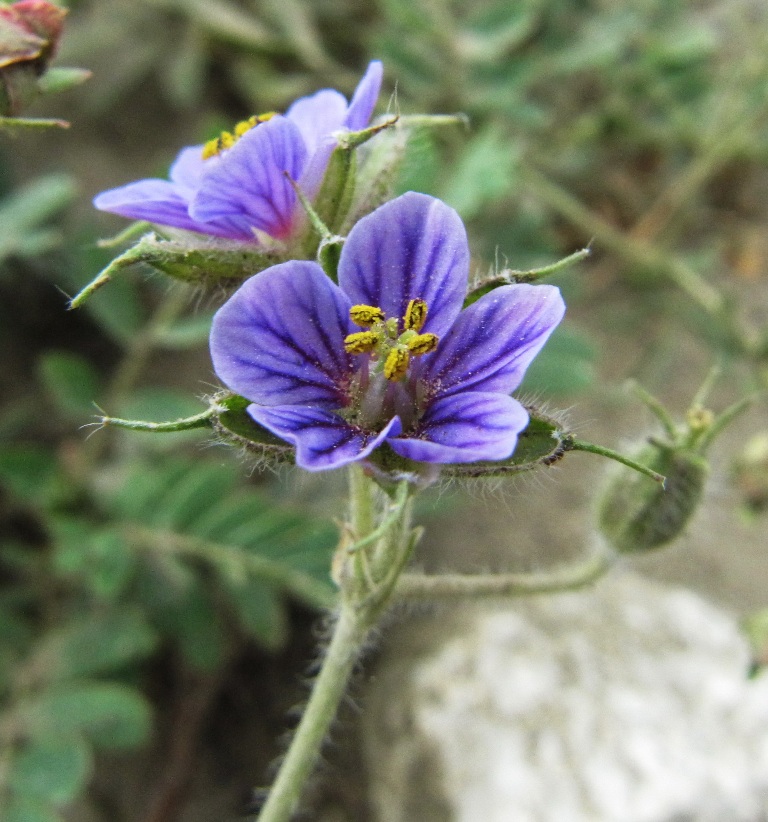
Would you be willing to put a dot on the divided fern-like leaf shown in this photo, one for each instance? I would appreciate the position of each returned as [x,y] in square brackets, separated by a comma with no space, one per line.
[198,515]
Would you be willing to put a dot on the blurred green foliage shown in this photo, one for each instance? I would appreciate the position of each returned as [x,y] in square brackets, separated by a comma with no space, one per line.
[638,126]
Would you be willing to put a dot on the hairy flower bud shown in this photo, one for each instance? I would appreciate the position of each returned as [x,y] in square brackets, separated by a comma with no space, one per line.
[637,515]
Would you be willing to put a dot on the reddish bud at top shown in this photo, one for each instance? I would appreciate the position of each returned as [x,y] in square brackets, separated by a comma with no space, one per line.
[29,32]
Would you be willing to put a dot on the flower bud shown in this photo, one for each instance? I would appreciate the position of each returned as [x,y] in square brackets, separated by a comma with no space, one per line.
[29,34]
[637,515]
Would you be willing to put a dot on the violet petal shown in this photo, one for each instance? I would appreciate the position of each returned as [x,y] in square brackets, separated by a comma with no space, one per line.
[323,440]
[364,98]
[156,201]
[412,247]
[187,169]
[493,341]
[465,428]
[317,116]
[246,187]
[279,339]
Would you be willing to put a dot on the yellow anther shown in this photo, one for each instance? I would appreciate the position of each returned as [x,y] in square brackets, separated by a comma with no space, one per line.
[243,126]
[396,364]
[227,139]
[361,342]
[246,125]
[422,344]
[415,315]
[366,315]
[218,144]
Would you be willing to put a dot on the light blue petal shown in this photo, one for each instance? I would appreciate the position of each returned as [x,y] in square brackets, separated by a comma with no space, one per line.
[494,341]
[412,247]
[246,187]
[187,168]
[317,116]
[364,99]
[279,339]
[156,201]
[466,427]
[323,440]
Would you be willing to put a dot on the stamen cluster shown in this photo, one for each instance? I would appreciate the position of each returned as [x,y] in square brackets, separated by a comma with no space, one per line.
[391,349]
[228,138]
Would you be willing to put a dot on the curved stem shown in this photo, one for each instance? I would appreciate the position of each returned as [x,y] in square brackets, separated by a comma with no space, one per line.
[349,635]
[470,586]
[609,453]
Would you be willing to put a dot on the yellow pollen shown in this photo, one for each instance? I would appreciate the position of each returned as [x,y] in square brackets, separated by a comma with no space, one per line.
[415,315]
[366,315]
[227,139]
[361,342]
[422,344]
[396,364]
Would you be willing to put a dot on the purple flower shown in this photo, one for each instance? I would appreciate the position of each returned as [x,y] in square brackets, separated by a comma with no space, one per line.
[236,186]
[388,354]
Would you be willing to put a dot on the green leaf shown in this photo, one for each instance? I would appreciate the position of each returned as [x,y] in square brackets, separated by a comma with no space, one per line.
[22,212]
[30,471]
[485,172]
[199,510]
[71,381]
[26,809]
[97,644]
[109,714]
[52,769]
[100,557]
[197,626]
[260,611]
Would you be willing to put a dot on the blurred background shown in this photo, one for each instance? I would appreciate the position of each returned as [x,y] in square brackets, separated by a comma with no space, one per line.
[159,598]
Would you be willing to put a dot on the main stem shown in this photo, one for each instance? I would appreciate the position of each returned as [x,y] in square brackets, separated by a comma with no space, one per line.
[348,637]
[357,614]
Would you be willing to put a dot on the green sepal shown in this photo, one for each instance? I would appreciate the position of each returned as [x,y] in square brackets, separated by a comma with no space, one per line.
[234,424]
[56,80]
[335,195]
[511,276]
[329,256]
[333,200]
[542,442]
[205,262]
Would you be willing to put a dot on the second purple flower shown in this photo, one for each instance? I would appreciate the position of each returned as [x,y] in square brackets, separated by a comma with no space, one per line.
[236,186]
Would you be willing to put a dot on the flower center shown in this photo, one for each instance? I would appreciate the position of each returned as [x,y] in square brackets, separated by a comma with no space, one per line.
[228,138]
[391,350]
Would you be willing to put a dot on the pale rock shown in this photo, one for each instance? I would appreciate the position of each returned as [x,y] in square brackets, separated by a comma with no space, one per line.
[629,702]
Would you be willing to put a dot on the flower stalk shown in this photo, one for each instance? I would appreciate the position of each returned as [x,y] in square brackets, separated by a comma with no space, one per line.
[366,572]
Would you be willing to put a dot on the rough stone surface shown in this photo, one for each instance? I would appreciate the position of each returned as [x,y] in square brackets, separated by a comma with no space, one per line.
[626,703]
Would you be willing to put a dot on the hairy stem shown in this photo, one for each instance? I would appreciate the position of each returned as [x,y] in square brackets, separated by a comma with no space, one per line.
[367,576]
[423,587]
[349,635]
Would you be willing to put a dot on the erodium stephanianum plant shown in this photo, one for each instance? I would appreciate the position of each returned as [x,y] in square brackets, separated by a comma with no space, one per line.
[387,355]
[237,186]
